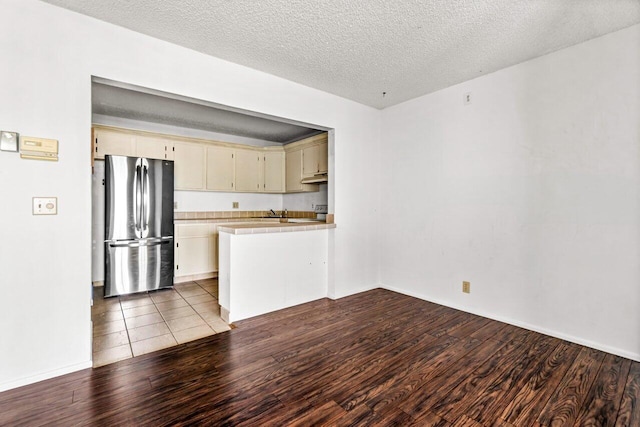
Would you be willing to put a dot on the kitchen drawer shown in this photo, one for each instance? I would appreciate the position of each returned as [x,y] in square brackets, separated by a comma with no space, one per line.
[192,230]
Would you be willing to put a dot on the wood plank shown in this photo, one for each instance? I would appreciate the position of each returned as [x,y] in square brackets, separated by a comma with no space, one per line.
[473,326]
[417,375]
[533,396]
[629,412]
[422,399]
[429,419]
[603,401]
[402,366]
[464,421]
[455,403]
[566,402]
[488,406]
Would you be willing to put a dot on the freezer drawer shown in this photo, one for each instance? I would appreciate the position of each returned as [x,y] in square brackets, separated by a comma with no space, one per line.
[136,266]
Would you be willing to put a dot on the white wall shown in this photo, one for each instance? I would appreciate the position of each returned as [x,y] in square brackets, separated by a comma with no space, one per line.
[531,192]
[305,201]
[45,271]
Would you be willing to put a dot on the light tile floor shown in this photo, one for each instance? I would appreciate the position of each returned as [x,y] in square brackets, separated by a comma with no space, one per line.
[128,326]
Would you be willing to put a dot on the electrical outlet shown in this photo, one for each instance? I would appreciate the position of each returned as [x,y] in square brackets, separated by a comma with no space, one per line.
[236,205]
[175,206]
[466,287]
[467,98]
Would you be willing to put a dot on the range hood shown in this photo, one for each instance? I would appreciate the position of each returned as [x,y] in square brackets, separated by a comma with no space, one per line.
[316,179]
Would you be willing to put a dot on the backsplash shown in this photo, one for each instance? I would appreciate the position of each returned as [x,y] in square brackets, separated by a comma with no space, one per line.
[239,214]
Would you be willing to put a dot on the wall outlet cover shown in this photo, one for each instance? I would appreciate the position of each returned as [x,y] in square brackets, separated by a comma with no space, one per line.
[466,287]
[45,206]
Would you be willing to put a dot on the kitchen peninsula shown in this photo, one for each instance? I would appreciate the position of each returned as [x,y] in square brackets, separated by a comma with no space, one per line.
[264,267]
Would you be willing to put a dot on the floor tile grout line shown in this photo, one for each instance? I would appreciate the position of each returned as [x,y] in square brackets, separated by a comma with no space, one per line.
[163,318]
[126,327]
[217,302]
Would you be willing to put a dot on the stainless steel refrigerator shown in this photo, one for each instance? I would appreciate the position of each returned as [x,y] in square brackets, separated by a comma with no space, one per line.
[138,225]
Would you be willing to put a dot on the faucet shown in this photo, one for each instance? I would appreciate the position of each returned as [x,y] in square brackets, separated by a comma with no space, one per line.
[284,213]
[272,213]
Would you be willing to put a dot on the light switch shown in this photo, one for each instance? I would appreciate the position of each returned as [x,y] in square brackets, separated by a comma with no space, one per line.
[45,205]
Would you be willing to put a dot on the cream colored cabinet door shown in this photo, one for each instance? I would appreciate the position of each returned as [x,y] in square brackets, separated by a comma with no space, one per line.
[112,142]
[323,158]
[220,169]
[193,249]
[315,160]
[248,163]
[154,147]
[190,166]
[274,172]
[293,171]
[193,256]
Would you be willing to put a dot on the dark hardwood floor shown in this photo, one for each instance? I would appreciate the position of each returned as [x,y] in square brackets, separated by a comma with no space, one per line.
[376,358]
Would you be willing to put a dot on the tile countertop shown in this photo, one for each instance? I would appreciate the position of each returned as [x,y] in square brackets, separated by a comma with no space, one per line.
[225,220]
[273,227]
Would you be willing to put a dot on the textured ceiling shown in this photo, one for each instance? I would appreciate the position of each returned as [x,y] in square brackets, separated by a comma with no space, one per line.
[359,49]
[152,106]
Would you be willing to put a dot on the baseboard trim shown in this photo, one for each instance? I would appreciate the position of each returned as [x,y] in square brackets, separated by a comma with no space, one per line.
[335,296]
[552,333]
[44,376]
[193,277]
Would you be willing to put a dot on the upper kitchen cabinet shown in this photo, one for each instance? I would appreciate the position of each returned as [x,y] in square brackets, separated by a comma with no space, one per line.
[154,147]
[294,173]
[190,171]
[273,172]
[315,159]
[109,141]
[206,165]
[306,163]
[221,167]
[248,165]
[123,142]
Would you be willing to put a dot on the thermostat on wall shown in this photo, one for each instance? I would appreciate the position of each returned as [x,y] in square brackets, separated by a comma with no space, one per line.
[38,148]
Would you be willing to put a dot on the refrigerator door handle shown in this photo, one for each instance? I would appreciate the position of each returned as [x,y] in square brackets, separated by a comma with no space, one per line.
[137,214]
[144,224]
[138,243]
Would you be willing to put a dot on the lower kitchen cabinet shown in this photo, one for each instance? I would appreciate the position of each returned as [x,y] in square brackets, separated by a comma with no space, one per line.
[196,251]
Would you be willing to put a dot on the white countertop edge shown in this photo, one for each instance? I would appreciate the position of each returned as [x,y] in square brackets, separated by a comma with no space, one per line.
[264,230]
